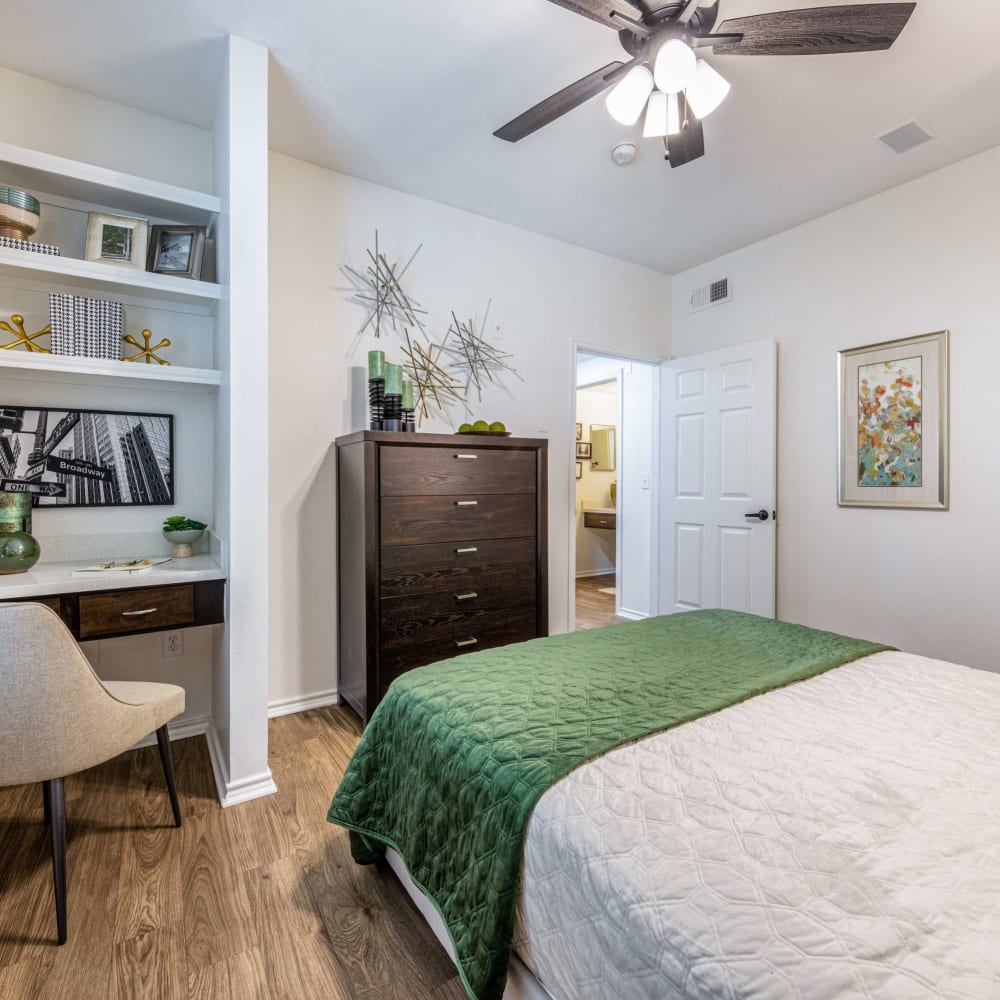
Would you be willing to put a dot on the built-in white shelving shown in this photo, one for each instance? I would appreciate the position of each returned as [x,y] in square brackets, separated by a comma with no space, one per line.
[105,279]
[94,371]
[36,171]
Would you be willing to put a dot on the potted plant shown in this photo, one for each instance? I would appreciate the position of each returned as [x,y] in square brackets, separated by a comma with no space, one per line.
[182,532]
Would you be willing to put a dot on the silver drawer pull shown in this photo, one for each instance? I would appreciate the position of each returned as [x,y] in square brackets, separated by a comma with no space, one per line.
[467,458]
[466,503]
[472,595]
[139,614]
[466,551]
[466,642]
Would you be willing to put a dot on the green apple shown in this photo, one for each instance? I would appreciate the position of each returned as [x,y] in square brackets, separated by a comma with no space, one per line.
[497,427]
[465,429]
[480,425]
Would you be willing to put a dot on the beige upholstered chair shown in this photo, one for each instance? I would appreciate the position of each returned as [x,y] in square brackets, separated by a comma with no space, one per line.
[57,718]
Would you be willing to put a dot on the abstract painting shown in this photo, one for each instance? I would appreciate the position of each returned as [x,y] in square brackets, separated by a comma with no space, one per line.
[894,424]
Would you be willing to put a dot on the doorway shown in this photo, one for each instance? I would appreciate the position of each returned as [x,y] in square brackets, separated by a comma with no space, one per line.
[613,526]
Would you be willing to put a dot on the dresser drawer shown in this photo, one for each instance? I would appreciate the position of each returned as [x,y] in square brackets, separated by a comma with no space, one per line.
[413,520]
[446,471]
[444,566]
[136,610]
[515,625]
[409,612]
[593,519]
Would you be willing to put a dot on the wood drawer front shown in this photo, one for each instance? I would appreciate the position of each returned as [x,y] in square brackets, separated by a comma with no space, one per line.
[413,520]
[490,595]
[137,610]
[407,471]
[499,630]
[591,519]
[443,566]
[408,626]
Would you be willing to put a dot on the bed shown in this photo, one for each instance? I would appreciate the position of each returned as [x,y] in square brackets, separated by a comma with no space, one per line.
[833,836]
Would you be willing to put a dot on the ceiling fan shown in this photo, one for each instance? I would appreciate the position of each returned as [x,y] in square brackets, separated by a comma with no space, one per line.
[678,90]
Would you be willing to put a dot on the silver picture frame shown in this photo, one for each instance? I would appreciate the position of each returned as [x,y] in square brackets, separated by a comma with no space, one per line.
[861,478]
[119,240]
[177,251]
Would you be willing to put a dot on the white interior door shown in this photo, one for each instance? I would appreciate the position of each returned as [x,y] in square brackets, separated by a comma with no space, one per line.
[718,443]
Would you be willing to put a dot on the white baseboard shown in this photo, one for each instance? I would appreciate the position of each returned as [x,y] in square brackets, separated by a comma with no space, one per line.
[595,572]
[302,703]
[232,793]
[635,616]
[182,729]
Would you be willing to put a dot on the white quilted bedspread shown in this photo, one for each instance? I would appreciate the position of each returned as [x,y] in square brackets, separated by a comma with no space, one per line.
[838,838]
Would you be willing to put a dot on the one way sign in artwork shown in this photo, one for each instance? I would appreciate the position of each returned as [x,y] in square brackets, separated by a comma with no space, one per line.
[36,489]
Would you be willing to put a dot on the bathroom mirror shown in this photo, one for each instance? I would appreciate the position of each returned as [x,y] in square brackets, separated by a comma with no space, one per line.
[602,455]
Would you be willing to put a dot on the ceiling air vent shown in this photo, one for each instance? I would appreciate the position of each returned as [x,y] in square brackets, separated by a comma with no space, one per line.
[715,293]
[906,137]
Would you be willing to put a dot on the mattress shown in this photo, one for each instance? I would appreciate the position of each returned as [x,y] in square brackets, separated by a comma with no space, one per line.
[838,838]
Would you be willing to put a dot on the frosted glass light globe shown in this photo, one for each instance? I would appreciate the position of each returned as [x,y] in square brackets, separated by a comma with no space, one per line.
[675,66]
[626,101]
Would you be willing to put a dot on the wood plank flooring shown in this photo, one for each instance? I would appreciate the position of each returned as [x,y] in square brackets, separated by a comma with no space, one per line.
[258,901]
[593,608]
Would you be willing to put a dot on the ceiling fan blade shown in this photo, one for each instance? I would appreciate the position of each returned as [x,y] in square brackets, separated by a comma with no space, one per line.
[865,27]
[610,13]
[689,143]
[566,100]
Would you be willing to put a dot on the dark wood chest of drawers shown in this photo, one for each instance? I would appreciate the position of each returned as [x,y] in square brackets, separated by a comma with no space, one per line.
[441,551]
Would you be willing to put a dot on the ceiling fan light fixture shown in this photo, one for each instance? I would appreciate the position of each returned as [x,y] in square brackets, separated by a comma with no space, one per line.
[707,90]
[662,116]
[626,101]
[675,67]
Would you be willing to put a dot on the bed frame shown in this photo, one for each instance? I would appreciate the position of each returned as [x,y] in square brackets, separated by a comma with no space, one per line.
[521,983]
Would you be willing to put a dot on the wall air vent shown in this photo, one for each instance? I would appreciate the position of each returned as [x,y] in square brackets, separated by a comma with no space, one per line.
[906,137]
[715,293]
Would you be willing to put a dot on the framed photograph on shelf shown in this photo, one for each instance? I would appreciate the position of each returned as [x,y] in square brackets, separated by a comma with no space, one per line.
[893,426]
[583,450]
[177,250]
[579,470]
[87,458]
[579,432]
[116,239]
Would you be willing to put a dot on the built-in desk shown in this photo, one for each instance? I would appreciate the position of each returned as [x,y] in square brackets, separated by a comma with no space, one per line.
[182,593]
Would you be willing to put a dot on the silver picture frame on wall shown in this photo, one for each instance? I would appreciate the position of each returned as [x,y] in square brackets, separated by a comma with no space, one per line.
[893,424]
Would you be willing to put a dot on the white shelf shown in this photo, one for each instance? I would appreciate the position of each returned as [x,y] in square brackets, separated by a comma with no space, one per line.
[41,172]
[93,371]
[106,279]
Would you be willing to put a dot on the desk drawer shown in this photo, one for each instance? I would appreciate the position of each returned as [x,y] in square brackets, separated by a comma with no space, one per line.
[407,471]
[140,610]
[412,520]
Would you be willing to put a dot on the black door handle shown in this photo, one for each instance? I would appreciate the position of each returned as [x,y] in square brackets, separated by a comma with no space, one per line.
[759,515]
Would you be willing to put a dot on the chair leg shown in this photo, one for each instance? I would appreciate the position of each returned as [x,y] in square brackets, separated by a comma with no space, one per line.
[55,800]
[47,805]
[167,759]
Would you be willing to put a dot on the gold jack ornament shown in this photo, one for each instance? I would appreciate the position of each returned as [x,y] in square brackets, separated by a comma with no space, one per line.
[147,352]
[27,339]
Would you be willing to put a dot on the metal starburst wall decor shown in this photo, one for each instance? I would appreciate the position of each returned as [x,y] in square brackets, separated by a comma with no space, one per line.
[434,386]
[476,360]
[379,290]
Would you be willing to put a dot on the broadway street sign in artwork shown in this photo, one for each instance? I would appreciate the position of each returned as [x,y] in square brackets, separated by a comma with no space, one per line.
[87,458]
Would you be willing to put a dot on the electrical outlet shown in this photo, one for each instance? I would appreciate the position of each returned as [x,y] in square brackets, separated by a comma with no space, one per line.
[173,643]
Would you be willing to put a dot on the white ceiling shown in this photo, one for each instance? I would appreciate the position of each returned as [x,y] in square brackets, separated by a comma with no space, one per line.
[407,94]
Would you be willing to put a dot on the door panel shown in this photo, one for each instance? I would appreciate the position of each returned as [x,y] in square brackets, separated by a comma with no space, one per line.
[718,459]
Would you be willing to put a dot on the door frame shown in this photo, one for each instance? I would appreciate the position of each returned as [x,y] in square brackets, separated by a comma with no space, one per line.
[578,347]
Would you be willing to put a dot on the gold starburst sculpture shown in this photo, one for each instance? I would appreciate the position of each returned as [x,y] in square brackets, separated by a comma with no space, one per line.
[24,338]
[434,387]
[145,351]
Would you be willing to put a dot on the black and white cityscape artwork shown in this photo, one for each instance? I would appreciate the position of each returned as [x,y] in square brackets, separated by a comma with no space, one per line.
[87,458]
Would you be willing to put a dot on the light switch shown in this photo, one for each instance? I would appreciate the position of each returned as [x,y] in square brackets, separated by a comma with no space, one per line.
[645,482]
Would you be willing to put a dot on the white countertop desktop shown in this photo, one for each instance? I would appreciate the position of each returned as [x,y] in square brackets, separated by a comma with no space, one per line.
[47,578]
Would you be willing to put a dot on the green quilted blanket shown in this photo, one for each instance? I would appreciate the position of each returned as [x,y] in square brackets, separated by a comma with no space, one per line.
[458,753]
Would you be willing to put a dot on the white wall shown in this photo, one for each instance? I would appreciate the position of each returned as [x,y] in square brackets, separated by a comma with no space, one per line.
[545,294]
[595,547]
[919,258]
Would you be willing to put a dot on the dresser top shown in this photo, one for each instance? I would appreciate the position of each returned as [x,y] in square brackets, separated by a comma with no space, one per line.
[446,440]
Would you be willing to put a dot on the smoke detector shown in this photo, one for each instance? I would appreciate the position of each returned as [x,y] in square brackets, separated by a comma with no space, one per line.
[624,153]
